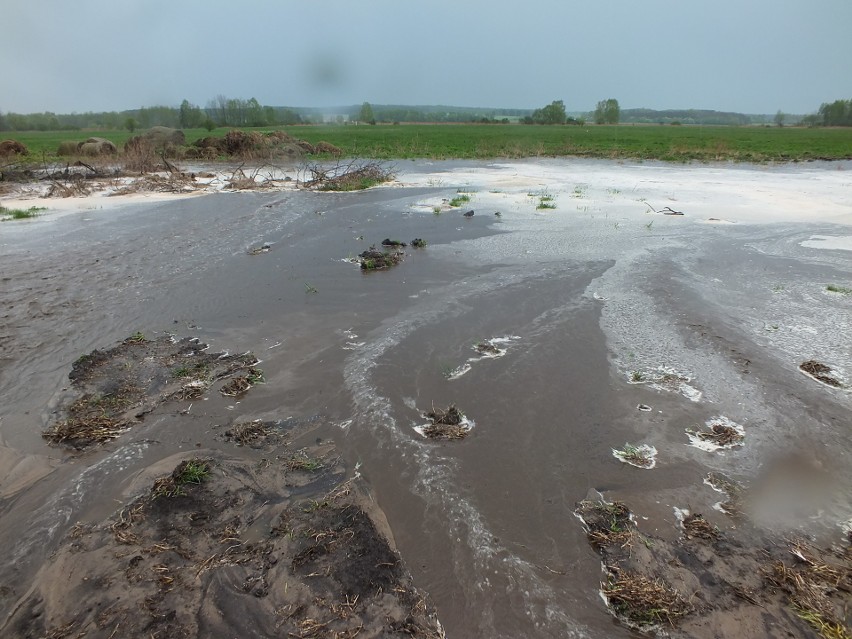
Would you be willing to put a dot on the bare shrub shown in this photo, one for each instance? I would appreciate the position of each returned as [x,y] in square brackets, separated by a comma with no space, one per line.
[348,176]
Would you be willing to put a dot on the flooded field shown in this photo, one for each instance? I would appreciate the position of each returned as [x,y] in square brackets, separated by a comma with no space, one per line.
[676,339]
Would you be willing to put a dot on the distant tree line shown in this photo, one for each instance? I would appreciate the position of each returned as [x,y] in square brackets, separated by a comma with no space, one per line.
[220,111]
[391,113]
[837,113]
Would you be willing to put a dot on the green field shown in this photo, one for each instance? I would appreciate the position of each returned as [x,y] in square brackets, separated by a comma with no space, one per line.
[468,141]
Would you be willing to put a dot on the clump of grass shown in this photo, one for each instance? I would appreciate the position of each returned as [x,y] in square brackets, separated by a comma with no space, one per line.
[843,290]
[637,376]
[137,338]
[197,370]
[303,462]
[607,523]
[21,214]
[190,471]
[459,199]
[436,210]
[418,243]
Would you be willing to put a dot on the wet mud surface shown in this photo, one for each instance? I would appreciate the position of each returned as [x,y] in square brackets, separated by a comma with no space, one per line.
[563,334]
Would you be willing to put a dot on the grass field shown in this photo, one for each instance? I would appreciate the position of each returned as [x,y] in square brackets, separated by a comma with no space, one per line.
[467,141]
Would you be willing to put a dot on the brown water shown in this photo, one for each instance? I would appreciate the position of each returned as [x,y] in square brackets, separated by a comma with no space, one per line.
[486,525]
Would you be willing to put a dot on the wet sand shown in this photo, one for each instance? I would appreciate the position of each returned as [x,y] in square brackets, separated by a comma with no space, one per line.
[602,299]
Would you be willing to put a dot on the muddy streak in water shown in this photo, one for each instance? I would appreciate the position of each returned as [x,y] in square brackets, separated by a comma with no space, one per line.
[486,525]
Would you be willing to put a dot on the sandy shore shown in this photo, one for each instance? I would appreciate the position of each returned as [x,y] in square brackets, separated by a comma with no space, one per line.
[634,304]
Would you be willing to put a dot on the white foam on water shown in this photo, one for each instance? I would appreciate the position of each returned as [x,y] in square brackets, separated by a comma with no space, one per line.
[492,341]
[436,481]
[831,242]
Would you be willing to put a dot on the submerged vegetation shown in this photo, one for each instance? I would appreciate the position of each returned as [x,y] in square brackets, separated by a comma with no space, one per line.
[20,214]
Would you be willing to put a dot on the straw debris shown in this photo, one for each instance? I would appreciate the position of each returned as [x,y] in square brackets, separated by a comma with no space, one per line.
[643,601]
[696,527]
[820,372]
[449,423]
[818,591]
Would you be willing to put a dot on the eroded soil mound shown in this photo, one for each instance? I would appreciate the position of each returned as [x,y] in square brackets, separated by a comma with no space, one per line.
[737,582]
[116,388]
[225,548]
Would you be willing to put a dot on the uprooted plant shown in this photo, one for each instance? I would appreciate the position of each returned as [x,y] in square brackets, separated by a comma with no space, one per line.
[347,176]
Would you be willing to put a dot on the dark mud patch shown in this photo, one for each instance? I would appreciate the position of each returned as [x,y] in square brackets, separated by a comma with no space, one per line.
[820,372]
[222,547]
[375,260]
[115,388]
[738,582]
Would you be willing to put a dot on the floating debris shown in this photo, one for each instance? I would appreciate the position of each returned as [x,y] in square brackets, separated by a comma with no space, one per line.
[468,213]
[263,248]
[244,433]
[374,260]
[644,408]
[666,379]
[241,384]
[418,243]
[720,433]
[642,456]
[819,372]
[733,507]
[390,242]
[449,423]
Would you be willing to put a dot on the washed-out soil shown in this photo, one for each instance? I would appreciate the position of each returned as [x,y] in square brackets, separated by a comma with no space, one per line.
[251,549]
[740,580]
[113,389]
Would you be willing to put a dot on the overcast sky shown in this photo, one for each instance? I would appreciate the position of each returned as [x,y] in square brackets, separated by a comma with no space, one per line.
[754,56]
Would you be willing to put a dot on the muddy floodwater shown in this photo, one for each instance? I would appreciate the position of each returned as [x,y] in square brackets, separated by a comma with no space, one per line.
[588,313]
